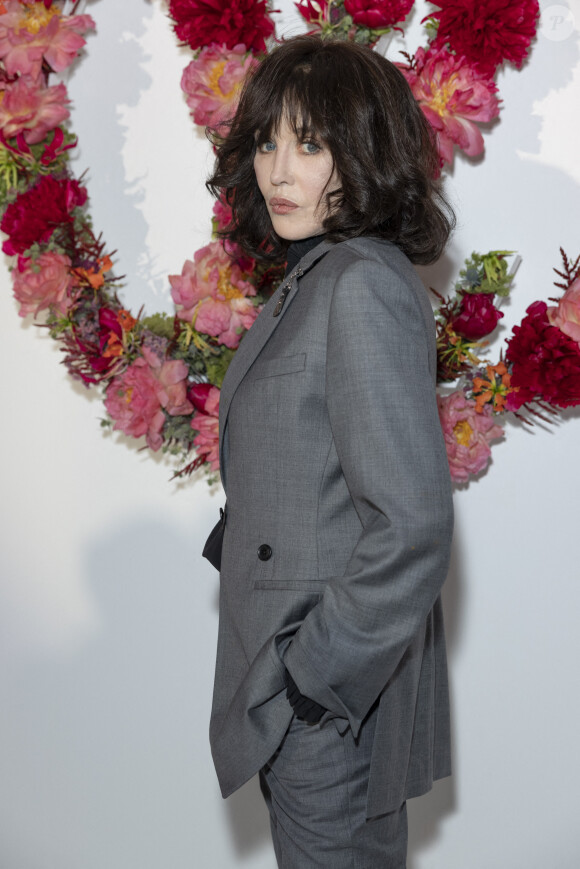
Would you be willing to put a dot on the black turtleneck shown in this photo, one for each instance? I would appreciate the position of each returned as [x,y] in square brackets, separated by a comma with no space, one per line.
[300,248]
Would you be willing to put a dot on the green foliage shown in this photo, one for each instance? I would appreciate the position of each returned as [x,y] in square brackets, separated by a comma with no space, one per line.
[486,273]
[216,366]
[178,435]
[160,324]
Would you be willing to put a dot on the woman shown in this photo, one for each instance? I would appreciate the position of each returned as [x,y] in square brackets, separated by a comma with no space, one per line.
[331,673]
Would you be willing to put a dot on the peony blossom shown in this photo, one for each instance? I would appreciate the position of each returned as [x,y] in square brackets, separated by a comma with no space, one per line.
[467,435]
[137,398]
[225,22]
[487,32]
[171,375]
[30,108]
[36,213]
[212,82]
[34,32]
[212,295]
[545,362]
[477,316]
[566,315]
[43,283]
[378,14]
[206,423]
[452,96]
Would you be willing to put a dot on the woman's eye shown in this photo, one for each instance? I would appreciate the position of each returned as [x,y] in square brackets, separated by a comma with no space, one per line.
[310,147]
[266,147]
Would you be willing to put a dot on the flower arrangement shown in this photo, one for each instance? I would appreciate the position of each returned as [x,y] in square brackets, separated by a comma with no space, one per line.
[161,374]
[538,373]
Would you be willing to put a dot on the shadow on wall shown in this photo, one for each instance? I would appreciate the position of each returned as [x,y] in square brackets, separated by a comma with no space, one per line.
[110,52]
[105,752]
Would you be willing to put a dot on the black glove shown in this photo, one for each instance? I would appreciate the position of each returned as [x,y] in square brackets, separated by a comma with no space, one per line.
[305,708]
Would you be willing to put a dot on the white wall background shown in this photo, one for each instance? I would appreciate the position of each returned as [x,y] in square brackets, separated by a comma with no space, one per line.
[107,610]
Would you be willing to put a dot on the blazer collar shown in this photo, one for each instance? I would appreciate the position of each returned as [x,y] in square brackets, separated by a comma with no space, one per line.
[264,325]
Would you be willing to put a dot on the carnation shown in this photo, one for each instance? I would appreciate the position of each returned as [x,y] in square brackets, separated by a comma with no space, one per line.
[452,96]
[468,434]
[43,283]
[31,109]
[33,33]
[212,294]
[545,362]
[226,22]
[206,424]
[212,82]
[487,32]
[378,14]
[36,213]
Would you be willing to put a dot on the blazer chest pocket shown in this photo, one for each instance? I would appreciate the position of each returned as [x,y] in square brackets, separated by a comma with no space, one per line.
[282,365]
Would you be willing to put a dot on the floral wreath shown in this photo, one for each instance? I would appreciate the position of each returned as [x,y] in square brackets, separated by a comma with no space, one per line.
[161,375]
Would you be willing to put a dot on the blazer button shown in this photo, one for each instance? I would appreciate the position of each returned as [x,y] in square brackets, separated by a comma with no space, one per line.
[264,552]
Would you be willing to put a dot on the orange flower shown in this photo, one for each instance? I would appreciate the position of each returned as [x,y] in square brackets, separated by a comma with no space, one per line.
[495,389]
[126,321]
[95,277]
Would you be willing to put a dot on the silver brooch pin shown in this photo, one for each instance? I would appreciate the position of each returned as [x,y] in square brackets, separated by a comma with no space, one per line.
[286,287]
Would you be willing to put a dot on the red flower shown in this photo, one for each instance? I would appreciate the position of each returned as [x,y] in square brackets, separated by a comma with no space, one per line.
[313,10]
[378,14]
[229,22]
[487,32]
[545,362]
[198,394]
[35,214]
[477,316]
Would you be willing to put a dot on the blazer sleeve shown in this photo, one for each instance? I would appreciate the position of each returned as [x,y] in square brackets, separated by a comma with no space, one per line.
[382,406]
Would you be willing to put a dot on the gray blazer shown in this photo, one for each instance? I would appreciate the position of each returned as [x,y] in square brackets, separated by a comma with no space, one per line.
[339,521]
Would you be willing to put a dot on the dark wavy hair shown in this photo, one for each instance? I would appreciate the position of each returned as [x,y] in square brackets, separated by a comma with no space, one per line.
[361,107]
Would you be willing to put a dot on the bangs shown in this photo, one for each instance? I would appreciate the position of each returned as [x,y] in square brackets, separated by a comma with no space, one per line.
[294,100]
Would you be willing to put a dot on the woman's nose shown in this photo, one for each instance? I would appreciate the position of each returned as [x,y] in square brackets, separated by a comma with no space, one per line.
[282,171]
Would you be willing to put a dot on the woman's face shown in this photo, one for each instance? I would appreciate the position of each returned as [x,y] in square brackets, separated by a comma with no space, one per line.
[293,176]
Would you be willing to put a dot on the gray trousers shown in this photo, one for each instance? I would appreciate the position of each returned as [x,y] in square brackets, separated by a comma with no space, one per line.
[315,788]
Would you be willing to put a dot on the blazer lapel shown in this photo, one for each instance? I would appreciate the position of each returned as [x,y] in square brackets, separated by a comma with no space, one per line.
[256,337]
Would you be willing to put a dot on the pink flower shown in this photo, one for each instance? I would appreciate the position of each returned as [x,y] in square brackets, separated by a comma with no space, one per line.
[206,423]
[30,33]
[566,315]
[222,214]
[452,96]
[212,295]
[133,405]
[171,377]
[28,107]
[212,82]
[43,283]
[467,435]
[136,398]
